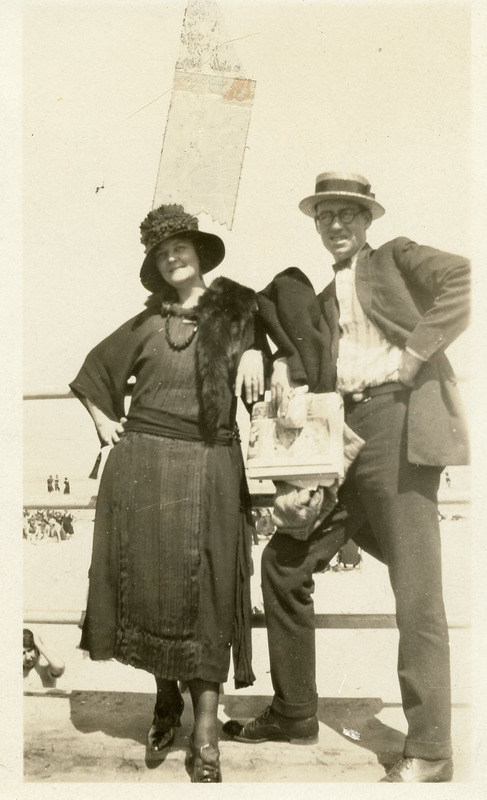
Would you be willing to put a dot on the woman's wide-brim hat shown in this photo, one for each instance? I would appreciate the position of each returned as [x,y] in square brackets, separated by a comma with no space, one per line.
[172,220]
[342,186]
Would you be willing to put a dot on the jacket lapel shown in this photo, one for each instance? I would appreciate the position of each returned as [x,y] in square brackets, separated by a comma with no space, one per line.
[331,312]
[363,283]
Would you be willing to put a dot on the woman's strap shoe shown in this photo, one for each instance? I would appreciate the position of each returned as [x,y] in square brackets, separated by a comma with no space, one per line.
[205,763]
[163,731]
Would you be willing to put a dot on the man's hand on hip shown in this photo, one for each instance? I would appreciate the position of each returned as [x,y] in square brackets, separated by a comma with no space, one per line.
[409,367]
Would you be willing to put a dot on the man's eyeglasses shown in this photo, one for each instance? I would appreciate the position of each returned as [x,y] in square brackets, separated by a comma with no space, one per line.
[345,215]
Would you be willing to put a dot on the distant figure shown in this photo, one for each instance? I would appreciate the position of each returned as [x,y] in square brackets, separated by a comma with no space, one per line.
[54,529]
[50,487]
[447,478]
[349,555]
[67,525]
[32,529]
[35,656]
[67,488]
[56,484]
[25,524]
[264,525]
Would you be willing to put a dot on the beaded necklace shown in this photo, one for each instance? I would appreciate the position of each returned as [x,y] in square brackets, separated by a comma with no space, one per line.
[176,311]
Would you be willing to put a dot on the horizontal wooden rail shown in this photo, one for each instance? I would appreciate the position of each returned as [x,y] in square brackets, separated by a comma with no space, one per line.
[52,617]
[60,502]
[446,497]
[54,393]
[322,621]
[61,394]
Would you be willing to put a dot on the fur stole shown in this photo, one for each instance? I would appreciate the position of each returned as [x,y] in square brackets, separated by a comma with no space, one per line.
[225,315]
[225,312]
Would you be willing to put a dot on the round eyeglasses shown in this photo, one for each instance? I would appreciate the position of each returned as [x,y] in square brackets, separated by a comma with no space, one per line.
[345,215]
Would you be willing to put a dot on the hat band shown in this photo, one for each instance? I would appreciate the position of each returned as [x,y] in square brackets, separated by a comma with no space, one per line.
[162,236]
[339,185]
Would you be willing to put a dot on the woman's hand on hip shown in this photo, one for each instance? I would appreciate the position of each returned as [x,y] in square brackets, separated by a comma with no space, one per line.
[109,431]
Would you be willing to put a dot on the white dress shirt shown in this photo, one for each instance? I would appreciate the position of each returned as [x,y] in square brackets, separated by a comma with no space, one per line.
[365,356]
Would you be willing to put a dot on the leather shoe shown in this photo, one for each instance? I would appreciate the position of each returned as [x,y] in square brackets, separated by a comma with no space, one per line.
[271,726]
[205,763]
[419,770]
[162,732]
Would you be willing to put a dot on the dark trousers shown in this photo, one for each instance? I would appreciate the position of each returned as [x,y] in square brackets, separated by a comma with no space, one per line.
[396,502]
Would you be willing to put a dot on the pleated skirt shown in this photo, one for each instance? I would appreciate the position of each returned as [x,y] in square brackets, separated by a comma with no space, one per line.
[162,580]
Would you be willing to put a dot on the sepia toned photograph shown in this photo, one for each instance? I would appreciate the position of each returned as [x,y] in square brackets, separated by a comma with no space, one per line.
[248,543]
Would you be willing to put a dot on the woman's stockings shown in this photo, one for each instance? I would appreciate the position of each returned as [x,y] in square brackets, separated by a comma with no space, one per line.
[168,698]
[205,706]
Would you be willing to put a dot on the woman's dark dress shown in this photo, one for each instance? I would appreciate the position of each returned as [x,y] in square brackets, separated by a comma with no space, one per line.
[170,565]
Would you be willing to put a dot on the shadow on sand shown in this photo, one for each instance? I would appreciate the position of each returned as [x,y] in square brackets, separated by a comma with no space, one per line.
[127,715]
[354,719]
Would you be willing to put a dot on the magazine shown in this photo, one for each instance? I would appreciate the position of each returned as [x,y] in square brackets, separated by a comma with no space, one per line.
[304,445]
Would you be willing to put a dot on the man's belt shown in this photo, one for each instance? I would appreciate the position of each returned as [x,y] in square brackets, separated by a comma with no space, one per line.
[372,391]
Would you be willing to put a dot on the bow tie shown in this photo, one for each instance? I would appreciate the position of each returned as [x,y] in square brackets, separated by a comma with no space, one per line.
[345,264]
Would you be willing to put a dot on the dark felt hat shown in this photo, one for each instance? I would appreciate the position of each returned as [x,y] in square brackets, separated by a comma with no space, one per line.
[172,220]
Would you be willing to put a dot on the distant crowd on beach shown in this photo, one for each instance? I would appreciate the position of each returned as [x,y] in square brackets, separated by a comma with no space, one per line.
[53,485]
[44,525]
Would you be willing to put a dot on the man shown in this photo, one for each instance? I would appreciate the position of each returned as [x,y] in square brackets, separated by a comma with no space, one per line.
[389,313]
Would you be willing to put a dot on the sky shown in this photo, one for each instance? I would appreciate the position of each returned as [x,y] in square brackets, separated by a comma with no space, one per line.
[382,89]
[379,89]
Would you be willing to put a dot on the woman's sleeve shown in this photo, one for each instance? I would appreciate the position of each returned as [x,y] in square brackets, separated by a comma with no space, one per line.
[103,377]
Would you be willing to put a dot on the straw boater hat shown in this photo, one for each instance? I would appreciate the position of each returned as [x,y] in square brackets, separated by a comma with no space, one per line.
[172,220]
[342,186]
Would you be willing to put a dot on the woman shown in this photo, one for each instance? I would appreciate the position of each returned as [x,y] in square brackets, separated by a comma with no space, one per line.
[169,578]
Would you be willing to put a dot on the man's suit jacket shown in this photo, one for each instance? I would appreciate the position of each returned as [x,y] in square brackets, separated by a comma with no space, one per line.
[419,298]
